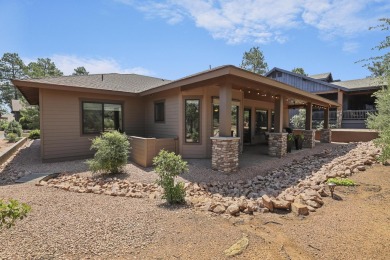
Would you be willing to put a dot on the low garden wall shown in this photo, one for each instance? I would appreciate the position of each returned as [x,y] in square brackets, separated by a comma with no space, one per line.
[9,152]
[143,150]
[347,135]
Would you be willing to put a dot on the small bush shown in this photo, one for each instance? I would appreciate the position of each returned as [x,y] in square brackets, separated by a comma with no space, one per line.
[34,134]
[12,138]
[168,165]
[14,127]
[3,124]
[341,182]
[12,211]
[112,150]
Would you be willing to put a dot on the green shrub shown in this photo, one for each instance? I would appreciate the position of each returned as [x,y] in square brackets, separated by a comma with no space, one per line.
[341,182]
[14,127]
[112,150]
[12,138]
[3,124]
[12,211]
[34,134]
[168,165]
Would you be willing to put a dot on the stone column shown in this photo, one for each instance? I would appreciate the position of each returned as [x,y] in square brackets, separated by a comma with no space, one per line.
[326,136]
[224,155]
[309,138]
[277,144]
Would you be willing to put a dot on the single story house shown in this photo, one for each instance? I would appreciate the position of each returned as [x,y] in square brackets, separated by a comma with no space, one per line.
[354,96]
[206,115]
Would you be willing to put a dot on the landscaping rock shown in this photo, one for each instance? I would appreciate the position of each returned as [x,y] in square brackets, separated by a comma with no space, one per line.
[299,209]
[233,209]
[268,203]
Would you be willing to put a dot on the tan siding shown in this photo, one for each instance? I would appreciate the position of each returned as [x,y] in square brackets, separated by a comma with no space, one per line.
[61,122]
[169,128]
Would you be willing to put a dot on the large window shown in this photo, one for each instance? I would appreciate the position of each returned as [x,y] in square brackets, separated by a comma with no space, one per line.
[261,121]
[100,117]
[159,111]
[192,121]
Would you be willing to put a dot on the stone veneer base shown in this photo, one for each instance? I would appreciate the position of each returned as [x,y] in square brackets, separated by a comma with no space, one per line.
[224,155]
[326,136]
[277,144]
[309,138]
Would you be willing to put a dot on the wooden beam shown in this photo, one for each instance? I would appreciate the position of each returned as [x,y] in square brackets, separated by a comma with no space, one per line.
[225,110]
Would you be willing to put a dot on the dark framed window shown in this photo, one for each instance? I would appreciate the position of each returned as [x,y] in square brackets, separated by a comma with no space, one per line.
[261,121]
[159,111]
[192,120]
[100,117]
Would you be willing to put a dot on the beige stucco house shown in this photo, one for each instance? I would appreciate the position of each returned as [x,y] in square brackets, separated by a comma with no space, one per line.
[210,114]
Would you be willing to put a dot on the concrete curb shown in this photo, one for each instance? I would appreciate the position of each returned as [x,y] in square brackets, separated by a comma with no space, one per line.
[8,153]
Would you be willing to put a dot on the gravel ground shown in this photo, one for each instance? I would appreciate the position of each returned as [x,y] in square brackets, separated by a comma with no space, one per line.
[68,225]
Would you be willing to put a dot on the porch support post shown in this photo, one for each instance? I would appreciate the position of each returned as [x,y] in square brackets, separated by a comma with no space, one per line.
[309,116]
[277,141]
[278,114]
[326,133]
[340,108]
[225,148]
[225,110]
[326,118]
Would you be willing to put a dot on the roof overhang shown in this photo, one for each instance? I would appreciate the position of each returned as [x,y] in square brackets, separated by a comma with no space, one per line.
[244,81]
[30,90]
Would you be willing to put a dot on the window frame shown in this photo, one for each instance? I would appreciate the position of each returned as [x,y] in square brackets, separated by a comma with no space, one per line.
[185,99]
[155,104]
[102,102]
[259,131]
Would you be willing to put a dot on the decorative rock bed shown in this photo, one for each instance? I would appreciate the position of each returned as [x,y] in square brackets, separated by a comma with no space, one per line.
[297,187]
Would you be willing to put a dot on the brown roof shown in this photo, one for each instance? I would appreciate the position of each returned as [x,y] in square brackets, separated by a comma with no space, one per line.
[131,83]
[361,84]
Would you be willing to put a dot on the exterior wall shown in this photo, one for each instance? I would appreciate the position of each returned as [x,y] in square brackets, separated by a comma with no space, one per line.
[170,127]
[62,137]
[298,82]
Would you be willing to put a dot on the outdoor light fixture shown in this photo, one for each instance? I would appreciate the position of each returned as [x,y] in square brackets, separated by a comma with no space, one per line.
[331,186]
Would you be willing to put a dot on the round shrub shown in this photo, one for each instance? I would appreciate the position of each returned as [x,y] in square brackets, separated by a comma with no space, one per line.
[34,134]
[112,151]
[14,127]
[12,137]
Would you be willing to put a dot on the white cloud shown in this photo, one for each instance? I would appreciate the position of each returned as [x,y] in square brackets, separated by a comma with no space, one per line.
[351,47]
[67,64]
[265,21]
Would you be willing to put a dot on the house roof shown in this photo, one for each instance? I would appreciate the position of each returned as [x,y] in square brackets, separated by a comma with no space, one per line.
[309,78]
[361,84]
[16,105]
[323,76]
[132,84]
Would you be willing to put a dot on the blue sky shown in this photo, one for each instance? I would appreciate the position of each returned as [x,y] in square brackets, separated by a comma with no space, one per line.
[172,39]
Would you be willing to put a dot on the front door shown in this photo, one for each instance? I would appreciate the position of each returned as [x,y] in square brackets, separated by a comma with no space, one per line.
[247,125]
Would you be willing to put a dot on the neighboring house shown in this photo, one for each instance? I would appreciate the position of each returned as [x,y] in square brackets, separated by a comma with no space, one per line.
[16,106]
[354,96]
[225,104]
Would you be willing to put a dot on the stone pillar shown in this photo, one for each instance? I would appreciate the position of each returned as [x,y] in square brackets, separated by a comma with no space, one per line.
[224,155]
[277,144]
[326,136]
[309,138]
